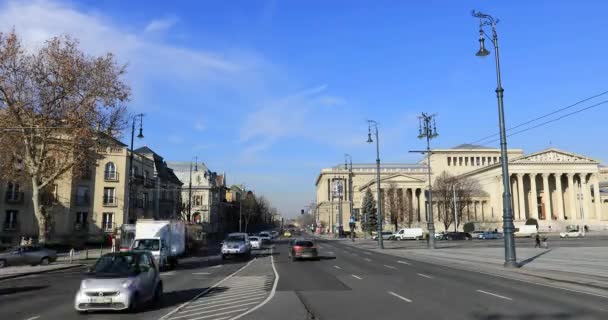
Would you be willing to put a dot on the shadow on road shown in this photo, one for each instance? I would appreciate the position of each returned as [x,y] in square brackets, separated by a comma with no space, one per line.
[529,316]
[525,262]
[13,290]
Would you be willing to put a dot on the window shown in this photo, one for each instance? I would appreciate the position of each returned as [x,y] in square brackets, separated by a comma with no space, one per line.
[483,161]
[494,160]
[10,220]
[108,196]
[82,195]
[146,174]
[145,262]
[478,161]
[460,161]
[81,219]
[135,171]
[449,161]
[110,171]
[466,161]
[12,191]
[146,199]
[107,221]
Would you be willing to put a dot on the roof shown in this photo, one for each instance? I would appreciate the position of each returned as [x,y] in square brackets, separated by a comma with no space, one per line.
[470,146]
[162,170]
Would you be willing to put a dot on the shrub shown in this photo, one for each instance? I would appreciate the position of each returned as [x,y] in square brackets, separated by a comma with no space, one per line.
[468,227]
[532,222]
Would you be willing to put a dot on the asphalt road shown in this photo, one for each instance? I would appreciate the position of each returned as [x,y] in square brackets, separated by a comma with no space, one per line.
[51,295]
[352,283]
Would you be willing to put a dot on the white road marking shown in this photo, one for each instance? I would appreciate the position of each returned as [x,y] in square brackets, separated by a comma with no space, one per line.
[400,297]
[403,262]
[194,312]
[226,297]
[215,304]
[356,277]
[337,267]
[424,275]
[33,318]
[368,259]
[217,266]
[494,294]
[170,273]
[213,315]
[390,267]
[367,252]
[201,273]
[330,252]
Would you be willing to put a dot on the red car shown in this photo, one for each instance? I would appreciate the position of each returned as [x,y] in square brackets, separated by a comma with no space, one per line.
[302,249]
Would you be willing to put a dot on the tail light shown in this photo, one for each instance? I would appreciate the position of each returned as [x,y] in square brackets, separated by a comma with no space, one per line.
[298,248]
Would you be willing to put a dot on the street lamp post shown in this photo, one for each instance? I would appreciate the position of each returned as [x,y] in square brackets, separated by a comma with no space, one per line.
[428,131]
[243,194]
[130,180]
[507,215]
[372,123]
[190,187]
[348,164]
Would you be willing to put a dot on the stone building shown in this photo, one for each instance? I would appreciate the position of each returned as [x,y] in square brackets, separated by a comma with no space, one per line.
[555,187]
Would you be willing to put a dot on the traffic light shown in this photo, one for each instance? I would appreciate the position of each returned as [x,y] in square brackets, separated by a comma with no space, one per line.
[302,212]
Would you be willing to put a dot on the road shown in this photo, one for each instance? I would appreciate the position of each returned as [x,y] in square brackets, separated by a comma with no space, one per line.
[352,283]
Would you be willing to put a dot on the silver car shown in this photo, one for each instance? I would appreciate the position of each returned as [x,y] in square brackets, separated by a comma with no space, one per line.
[120,281]
[24,255]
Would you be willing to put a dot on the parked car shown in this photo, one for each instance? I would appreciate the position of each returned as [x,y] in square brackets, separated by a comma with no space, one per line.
[236,244]
[255,242]
[27,255]
[490,235]
[265,238]
[409,233]
[274,234]
[526,231]
[475,234]
[572,231]
[386,235]
[457,236]
[120,281]
[302,249]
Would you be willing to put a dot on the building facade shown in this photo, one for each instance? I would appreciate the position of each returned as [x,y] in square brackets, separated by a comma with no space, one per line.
[88,207]
[555,187]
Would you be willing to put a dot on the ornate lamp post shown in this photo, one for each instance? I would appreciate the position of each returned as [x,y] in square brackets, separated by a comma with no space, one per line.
[130,180]
[428,131]
[507,215]
[374,124]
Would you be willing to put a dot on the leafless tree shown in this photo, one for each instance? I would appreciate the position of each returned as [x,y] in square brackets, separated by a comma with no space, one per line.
[444,188]
[54,103]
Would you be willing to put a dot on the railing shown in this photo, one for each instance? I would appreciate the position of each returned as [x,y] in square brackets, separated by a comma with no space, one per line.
[10,226]
[108,226]
[110,176]
[109,201]
[14,197]
[82,200]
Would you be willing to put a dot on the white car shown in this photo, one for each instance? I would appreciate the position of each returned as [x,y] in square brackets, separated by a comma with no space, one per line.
[236,244]
[571,234]
[265,238]
[256,242]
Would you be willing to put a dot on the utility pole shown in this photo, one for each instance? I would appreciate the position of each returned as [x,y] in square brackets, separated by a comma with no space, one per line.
[130,179]
[507,214]
[243,195]
[190,188]
[428,131]
[455,208]
[372,123]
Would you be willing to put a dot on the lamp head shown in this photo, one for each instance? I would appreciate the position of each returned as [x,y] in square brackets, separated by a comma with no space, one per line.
[482,47]
[369,138]
[140,135]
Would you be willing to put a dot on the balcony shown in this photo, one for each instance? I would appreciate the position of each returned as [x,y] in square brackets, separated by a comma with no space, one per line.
[110,176]
[138,179]
[10,226]
[149,182]
[110,201]
[13,197]
[82,201]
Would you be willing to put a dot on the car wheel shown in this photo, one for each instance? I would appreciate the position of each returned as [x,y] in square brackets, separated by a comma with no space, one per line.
[81,312]
[158,293]
[3,263]
[134,303]
[44,261]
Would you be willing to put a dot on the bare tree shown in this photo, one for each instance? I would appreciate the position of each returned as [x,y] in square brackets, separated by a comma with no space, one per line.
[444,189]
[392,204]
[53,105]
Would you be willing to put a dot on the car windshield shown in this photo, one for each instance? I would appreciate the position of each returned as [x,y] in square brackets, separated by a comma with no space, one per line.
[147,244]
[115,265]
[235,238]
[307,244]
[253,239]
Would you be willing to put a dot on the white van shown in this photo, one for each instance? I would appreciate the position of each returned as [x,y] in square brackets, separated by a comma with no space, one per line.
[526,231]
[409,233]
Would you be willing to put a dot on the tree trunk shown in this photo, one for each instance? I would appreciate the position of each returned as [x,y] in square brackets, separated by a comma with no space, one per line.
[38,211]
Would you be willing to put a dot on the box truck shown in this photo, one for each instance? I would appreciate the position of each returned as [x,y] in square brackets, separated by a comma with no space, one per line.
[165,239]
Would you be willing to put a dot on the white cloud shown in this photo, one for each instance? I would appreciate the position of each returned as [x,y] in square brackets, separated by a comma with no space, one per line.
[161,24]
[199,125]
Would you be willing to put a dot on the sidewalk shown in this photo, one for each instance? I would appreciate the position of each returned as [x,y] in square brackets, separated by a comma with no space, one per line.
[21,271]
[574,268]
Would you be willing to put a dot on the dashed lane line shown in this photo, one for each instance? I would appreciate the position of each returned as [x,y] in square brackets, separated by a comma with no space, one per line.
[400,297]
[390,267]
[368,259]
[217,266]
[424,275]
[201,273]
[337,267]
[33,318]
[403,262]
[494,295]
[356,277]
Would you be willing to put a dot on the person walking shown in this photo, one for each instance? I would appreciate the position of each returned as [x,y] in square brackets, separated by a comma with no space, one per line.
[537,241]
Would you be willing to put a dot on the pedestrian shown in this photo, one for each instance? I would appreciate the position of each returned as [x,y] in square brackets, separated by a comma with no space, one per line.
[537,241]
[545,243]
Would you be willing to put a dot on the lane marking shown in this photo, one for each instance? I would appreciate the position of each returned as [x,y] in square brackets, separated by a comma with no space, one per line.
[233,296]
[368,259]
[365,252]
[494,294]
[424,275]
[193,313]
[337,267]
[170,273]
[390,267]
[400,297]
[201,273]
[216,314]
[272,292]
[216,304]
[217,266]
[356,277]
[172,312]
[33,318]
[330,252]
[403,262]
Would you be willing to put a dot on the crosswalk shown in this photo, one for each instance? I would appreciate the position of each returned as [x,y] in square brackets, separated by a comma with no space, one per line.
[235,296]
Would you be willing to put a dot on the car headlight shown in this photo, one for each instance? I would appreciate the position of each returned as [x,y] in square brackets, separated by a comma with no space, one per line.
[127,283]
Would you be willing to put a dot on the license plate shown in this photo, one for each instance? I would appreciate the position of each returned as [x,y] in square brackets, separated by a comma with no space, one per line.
[100,300]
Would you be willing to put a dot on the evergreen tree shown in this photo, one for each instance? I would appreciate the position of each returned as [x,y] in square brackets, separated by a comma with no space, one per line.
[368,208]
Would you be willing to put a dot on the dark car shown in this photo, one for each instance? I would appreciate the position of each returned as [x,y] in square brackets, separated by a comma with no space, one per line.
[23,255]
[457,236]
[302,249]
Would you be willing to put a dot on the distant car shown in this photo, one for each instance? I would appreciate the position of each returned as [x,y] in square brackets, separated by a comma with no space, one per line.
[457,236]
[386,235]
[236,244]
[265,238]
[287,234]
[475,234]
[571,234]
[490,235]
[409,233]
[255,242]
[120,281]
[27,255]
[302,249]
[274,234]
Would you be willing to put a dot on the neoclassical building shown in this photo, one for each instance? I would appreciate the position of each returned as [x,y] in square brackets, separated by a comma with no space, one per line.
[556,187]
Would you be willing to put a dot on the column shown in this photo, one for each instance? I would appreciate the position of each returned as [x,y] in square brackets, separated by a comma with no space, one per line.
[514,198]
[547,197]
[559,212]
[586,197]
[521,195]
[533,197]
[572,197]
[416,205]
[597,198]
[423,206]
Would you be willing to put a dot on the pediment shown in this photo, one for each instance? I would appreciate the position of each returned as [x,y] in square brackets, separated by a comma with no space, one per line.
[553,155]
[397,179]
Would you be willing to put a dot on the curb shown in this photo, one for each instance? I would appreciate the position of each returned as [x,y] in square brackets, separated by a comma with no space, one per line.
[19,275]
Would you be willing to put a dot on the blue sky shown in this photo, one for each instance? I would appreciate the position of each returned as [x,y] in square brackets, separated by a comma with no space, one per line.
[271,91]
